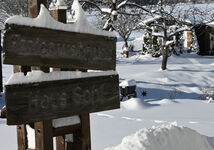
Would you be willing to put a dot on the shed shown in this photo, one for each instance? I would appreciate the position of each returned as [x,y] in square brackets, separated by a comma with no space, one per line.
[205,37]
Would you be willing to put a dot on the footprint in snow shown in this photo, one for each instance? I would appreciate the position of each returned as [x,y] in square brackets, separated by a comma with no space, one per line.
[105,115]
[133,119]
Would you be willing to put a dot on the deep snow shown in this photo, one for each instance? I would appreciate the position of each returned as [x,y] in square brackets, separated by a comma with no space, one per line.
[172,95]
[165,137]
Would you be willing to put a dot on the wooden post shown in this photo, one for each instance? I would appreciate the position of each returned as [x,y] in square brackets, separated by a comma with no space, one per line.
[34,7]
[44,135]
[60,143]
[21,129]
[22,137]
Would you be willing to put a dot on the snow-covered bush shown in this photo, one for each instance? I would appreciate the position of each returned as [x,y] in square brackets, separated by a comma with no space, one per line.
[208,94]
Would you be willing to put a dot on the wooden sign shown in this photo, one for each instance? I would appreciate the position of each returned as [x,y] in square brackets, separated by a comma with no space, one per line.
[34,102]
[33,46]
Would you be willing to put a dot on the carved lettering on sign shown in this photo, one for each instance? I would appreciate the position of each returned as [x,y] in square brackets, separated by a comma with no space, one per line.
[34,46]
[53,99]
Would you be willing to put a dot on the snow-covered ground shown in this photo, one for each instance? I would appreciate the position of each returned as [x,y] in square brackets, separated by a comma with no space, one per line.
[174,110]
[172,95]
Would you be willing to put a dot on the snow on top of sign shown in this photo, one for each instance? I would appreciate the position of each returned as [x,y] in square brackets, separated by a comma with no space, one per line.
[39,76]
[67,121]
[128,83]
[44,20]
[165,137]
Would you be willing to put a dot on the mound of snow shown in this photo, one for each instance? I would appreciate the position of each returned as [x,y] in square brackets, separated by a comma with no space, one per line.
[135,104]
[168,137]
[128,83]
[163,102]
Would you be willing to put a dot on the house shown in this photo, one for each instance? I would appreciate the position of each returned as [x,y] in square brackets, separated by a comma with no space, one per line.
[205,36]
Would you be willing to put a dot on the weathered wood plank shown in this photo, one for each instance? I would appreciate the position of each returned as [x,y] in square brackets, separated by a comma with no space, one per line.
[22,137]
[54,99]
[82,138]
[44,135]
[32,46]
[60,143]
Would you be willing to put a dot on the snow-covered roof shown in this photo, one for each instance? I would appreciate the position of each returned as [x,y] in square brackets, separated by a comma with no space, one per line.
[44,20]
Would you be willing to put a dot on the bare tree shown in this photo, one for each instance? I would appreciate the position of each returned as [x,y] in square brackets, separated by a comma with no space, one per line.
[172,14]
[124,25]
[12,7]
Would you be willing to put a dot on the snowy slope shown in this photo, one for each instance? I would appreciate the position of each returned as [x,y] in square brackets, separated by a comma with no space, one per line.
[164,138]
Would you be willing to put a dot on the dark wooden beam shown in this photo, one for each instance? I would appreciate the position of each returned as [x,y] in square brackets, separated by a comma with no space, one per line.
[60,143]
[44,135]
[32,46]
[33,102]
[22,137]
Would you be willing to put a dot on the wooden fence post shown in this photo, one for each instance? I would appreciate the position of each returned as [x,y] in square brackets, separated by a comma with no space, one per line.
[82,138]
[60,142]
[34,7]
[22,137]
[44,135]
[21,129]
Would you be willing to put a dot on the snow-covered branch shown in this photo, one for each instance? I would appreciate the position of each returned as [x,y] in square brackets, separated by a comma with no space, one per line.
[159,25]
[179,30]
[138,6]
[123,3]
[93,4]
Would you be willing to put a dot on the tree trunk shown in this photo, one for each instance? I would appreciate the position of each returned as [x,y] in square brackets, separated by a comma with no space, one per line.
[126,44]
[126,48]
[165,58]
[164,52]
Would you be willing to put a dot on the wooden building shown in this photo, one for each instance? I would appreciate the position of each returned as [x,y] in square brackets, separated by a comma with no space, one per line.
[205,37]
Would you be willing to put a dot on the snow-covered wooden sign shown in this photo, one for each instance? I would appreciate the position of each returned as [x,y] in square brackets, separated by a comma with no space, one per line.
[41,96]
[45,42]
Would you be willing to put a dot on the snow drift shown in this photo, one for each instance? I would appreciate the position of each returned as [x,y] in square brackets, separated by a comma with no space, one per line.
[135,104]
[165,137]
